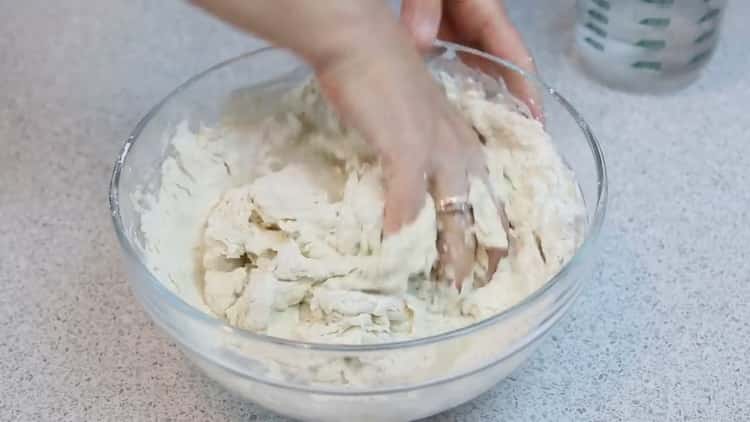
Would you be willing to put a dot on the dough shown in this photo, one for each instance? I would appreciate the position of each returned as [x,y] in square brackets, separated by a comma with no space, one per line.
[284,213]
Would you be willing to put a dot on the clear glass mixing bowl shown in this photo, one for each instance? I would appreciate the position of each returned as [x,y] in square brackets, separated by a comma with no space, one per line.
[423,376]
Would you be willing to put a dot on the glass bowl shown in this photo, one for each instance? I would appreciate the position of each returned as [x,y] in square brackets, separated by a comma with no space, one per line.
[300,380]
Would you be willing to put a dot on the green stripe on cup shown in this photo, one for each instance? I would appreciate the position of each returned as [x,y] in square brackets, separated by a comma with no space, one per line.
[699,57]
[651,44]
[598,16]
[704,36]
[661,3]
[655,22]
[598,31]
[604,4]
[594,43]
[646,65]
[711,14]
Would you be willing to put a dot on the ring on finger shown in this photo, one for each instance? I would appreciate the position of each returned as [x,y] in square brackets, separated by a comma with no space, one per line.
[453,205]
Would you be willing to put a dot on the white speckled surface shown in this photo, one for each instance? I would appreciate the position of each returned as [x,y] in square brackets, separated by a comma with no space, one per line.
[662,334]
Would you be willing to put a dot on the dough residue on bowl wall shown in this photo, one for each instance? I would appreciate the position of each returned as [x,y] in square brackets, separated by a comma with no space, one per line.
[274,224]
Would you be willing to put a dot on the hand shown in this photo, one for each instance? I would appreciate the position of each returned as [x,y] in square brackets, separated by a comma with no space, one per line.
[378,84]
[424,143]
[480,24]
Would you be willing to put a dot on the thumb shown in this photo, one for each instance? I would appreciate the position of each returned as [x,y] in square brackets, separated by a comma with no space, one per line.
[422,20]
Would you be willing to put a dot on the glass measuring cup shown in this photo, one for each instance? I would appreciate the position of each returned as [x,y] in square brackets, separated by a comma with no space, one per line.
[647,45]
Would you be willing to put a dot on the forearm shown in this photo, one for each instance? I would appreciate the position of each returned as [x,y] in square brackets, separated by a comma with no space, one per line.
[317,30]
[363,57]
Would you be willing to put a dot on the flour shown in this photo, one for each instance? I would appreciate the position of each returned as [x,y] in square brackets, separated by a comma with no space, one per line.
[274,225]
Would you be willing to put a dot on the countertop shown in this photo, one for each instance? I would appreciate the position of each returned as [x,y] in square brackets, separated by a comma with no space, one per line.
[661,333]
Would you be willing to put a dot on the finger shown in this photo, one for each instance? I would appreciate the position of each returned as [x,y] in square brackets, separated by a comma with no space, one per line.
[422,20]
[404,197]
[496,211]
[456,242]
[495,255]
[456,247]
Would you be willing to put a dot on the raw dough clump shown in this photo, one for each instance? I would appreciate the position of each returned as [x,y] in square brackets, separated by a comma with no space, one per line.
[288,242]
[297,252]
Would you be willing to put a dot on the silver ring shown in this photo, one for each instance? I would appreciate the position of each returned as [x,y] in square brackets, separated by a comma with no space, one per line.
[453,205]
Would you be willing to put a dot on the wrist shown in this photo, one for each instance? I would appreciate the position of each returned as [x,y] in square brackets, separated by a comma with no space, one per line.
[357,40]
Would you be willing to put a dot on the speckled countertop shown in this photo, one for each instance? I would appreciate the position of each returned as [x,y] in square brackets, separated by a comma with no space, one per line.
[662,333]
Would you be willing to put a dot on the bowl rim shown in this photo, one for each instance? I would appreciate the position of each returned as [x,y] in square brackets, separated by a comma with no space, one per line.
[181,305]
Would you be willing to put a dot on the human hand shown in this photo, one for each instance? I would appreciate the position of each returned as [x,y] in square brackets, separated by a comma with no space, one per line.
[424,143]
[378,84]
